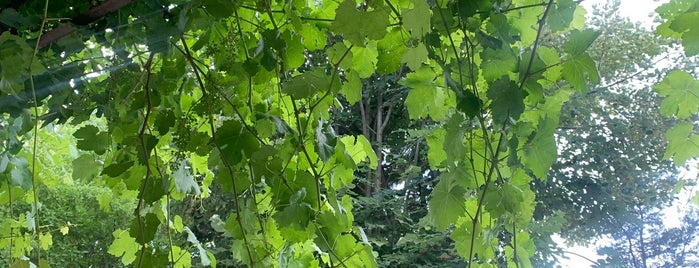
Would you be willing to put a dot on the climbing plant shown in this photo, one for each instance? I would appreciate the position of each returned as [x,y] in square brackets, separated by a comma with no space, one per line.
[176,98]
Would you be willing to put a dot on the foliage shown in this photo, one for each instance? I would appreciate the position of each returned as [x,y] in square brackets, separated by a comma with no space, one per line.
[679,86]
[207,95]
[80,231]
[609,143]
[648,243]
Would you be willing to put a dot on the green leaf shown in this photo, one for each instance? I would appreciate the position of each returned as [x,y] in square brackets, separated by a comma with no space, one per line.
[155,188]
[507,100]
[690,40]
[476,241]
[364,60]
[454,139]
[45,240]
[446,204]
[497,63]
[580,69]
[469,103]
[683,144]
[116,169]
[218,8]
[236,142]
[352,89]
[325,141]
[85,168]
[104,199]
[435,152]
[425,99]
[91,139]
[297,214]
[470,8]
[391,50]
[685,24]
[579,41]
[339,54]
[561,15]
[203,254]
[164,121]
[695,198]
[294,51]
[124,246]
[359,149]
[312,37]
[415,56]
[417,20]
[145,232]
[539,153]
[681,92]
[180,257]
[309,84]
[20,174]
[357,25]
[184,181]
[522,21]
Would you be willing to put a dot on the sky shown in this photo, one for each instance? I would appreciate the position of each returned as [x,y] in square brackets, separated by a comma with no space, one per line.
[637,10]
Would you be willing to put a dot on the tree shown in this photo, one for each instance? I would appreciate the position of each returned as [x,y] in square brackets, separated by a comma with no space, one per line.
[648,243]
[610,144]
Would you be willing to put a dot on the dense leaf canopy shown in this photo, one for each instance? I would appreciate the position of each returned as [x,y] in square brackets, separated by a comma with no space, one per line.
[296,121]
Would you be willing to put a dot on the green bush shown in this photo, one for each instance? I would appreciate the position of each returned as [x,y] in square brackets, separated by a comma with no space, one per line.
[89,227]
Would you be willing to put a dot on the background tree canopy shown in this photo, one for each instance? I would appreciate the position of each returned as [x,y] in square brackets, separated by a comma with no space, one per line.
[332,133]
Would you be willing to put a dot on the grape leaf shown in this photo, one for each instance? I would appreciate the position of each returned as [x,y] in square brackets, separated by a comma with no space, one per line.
[686,24]
[561,15]
[352,89]
[425,98]
[308,84]
[339,55]
[116,169]
[579,41]
[364,60]
[454,138]
[415,56]
[359,148]
[145,232]
[497,63]
[124,246]
[184,182]
[540,150]
[297,214]
[391,50]
[681,92]
[85,167]
[356,25]
[91,139]
[180,257]
[580,69]
[45,240]
[508,101]
[446,204]
[683,144]
[20,174]
[435,150]
[236,142]
[417,19]
[104,199]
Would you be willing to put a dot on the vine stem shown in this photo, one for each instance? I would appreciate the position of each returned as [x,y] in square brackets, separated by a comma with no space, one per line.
[146,156]
[542,22]
[35,130]
[214,140]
